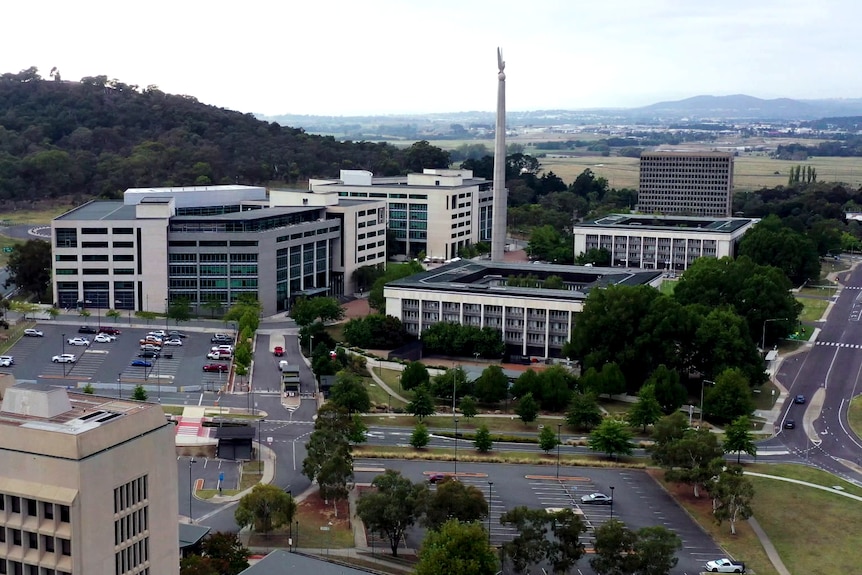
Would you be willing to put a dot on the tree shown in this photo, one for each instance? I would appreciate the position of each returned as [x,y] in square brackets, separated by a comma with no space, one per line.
[197,565]
[482,441]
[454,500]
[567,549]
[306,311]
[420,436]
[456,548]
[771,243]
[225,552]
[112,314]
[611,437]
[669,392]
[527,409]
[548,439]
[29,267]
[265,508]
[423,403]
[666,431]
[492,385]
[139,393]
[414,375]
[531,545]
[423,155]
[242,355]
[350,394]
[583,411]
[329,460]
[358,432]
[611,379]
[693,459]
[88,388]
[732,494]
[730,397]
[647,409]
[655,548]
[468,406]
[738,438]
[614,549]
[180,309]
[392,508]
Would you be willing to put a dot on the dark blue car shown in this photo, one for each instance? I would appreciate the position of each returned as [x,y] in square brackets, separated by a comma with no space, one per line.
[141,363]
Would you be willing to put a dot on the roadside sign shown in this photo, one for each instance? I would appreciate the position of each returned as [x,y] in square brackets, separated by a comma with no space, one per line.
[221,476]
[269,440]
[7,250]
[324,528]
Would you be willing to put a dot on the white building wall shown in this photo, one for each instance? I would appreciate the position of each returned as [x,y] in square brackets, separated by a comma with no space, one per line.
[189,197]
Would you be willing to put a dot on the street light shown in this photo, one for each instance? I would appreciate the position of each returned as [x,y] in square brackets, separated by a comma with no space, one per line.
[490,495]
[191,460]
[166,316]
[259,443]
[612,501]
[63,343]
[454,384]
[763,338]
[702,385]
[120,385]
[310,344]
[456,448]
[559,431]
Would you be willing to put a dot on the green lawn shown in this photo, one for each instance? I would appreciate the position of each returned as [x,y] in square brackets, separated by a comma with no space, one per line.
[854,415]
[667,287]
[812,309]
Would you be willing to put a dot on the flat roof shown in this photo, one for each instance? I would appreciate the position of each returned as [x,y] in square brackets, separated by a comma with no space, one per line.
[281,562]
[255,214]
[100,210]
[665,223]
[486,277]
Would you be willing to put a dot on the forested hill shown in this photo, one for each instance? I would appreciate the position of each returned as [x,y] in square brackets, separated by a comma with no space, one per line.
[98,137]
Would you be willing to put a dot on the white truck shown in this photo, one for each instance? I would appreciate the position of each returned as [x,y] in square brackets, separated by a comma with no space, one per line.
[725,565]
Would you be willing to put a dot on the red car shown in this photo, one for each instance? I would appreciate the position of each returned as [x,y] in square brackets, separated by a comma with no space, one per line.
[278,351]
[109,330]
[220,367]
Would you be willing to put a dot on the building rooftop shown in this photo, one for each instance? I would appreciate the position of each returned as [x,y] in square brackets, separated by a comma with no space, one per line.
[248,214]
[486,277]
[281,562]
[667,223]
[100,210]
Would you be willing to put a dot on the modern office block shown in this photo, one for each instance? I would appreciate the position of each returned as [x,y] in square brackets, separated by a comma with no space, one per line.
[686,183]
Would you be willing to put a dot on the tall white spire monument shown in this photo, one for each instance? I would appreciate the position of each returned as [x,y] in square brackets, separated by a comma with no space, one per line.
[498,222]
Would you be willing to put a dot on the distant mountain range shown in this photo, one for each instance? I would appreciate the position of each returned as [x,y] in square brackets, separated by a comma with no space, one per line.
[695,109]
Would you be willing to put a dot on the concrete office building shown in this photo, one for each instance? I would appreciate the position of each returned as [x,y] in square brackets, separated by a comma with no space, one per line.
[213,243]
[534,321]
[437,212]
[686,183]
[660,242]
[88,485]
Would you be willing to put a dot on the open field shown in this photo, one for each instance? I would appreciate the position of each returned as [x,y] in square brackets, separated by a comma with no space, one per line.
[41,217]
[813,308]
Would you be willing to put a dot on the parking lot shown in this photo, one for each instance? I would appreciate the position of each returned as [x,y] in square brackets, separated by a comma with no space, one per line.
[638,501]
[105,365]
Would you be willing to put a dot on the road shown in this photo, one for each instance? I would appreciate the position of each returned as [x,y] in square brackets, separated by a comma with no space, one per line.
[828,374]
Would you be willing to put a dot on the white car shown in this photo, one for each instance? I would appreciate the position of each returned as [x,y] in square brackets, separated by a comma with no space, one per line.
[104,338]
[65,358]
[219,354]
[227,348]
[78,341]
[725,565]
[160,333]
[33,333]
[6,360]
[596,499]
[173,342]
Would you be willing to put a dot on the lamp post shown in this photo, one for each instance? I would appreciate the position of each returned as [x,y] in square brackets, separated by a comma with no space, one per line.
[191,460]
[763,337]
[166,316]
[296,541]
[259,443]
[120,385]
[310,344]
[456,448]
[612,501]
[389,408]
[490,495]
[63,352]
[559,432]
[702,385]
[454,386]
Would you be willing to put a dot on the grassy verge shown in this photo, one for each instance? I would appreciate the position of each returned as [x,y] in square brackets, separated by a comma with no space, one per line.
[767,397]
[854,415]
[495,424]
[13,334]
[380,396]
[812,309]
[7,242]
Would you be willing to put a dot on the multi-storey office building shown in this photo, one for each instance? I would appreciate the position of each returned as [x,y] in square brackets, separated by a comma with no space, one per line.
[534,321]
[437,212]
[88,485]
[212,243]
[690,183]
[660,242]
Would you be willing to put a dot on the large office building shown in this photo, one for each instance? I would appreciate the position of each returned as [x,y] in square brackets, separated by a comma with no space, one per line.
[535,320]
[660,242]
[437,212]
[88,485]
[686,183]
[213,243]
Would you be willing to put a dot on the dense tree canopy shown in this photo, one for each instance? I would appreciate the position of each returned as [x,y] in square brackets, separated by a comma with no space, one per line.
[30,266]
[392,508]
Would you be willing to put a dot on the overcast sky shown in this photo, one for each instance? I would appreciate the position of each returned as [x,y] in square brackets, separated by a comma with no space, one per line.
[349,57]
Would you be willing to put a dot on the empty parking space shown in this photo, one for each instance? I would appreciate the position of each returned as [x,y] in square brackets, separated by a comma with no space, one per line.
[88,363]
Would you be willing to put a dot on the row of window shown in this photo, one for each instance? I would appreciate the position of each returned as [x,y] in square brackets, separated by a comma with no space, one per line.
[95,271]
[31,506]
[131,493]
[31,540]
[135,555]
[18,568]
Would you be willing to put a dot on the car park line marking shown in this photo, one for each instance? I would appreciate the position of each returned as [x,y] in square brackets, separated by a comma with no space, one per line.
[555,478]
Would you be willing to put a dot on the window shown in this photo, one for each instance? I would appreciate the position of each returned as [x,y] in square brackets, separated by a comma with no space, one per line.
[16,504]
[16,537]
[66,547]
[124,258]
[124,272]
[95,272]
[62,258]
[124,244]
[32,508]
[67,238]
[94,244]
[125,231]
[48,543]
[48,510]
[94,258]
[64,513]
[32,540]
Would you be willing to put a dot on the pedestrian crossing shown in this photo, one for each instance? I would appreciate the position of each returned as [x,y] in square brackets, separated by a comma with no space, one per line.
[839,344]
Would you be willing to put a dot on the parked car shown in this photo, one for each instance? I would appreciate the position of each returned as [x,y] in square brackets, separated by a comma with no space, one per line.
[790,424]
[78,341]
[596,499]
[221,338]
[173,342]
[6,360]
[157,333]
[104,338]
[224,347]
[87,329]
[278,351]
[218,367]
[149,354]
[436,478]
[219,354]
[109,330]
[150,340]
[151,347]
[799,399]
[176,334]
[65,358]
[30,332]
[725,565]
[141,363]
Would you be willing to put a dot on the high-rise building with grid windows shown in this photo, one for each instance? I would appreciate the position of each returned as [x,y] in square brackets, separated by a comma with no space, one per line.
[88,484]
[686,183]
